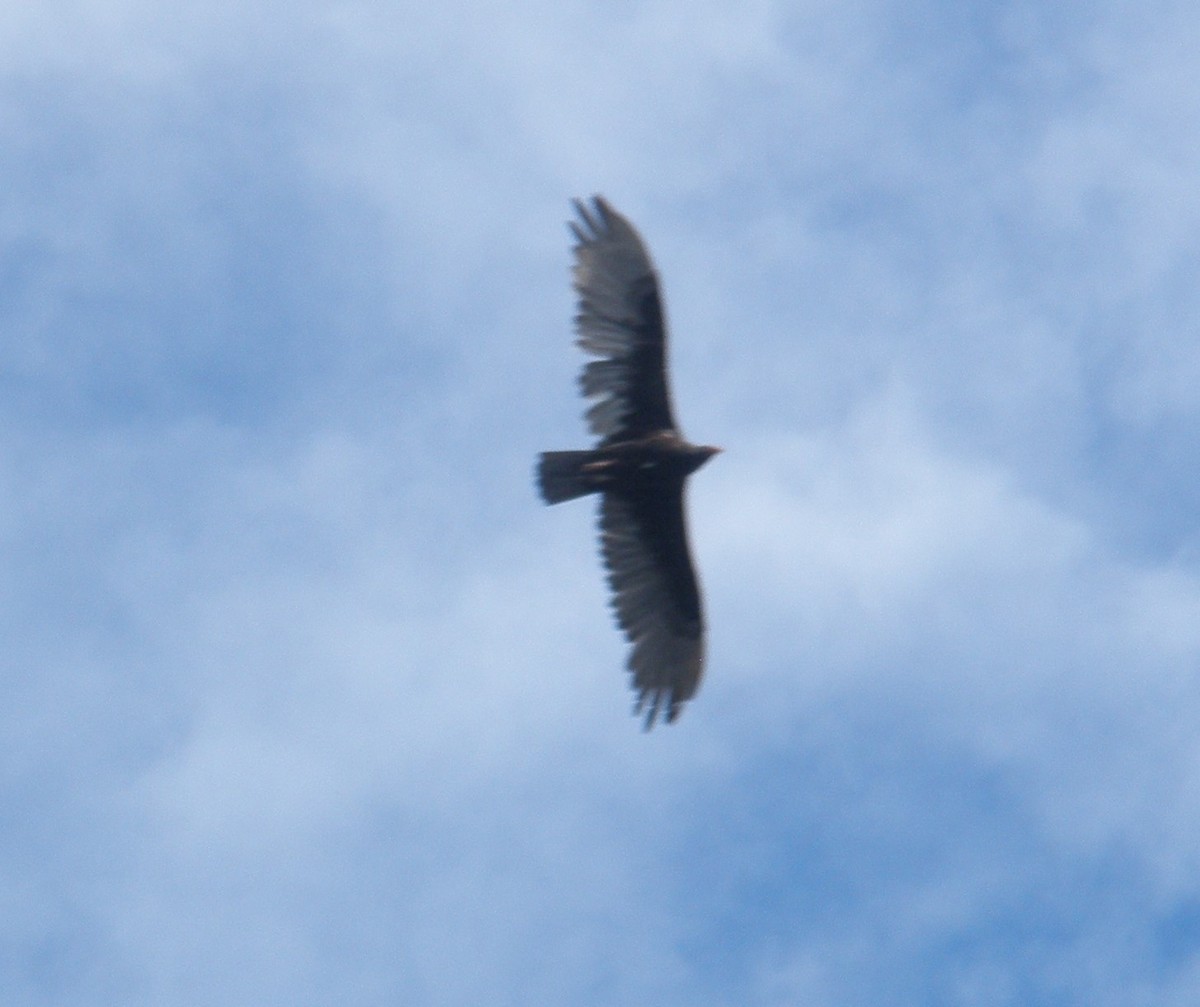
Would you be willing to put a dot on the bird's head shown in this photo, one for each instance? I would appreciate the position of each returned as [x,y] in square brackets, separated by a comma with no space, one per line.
[702,453]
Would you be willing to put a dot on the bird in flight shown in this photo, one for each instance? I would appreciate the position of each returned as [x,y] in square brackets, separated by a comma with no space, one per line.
[639,464]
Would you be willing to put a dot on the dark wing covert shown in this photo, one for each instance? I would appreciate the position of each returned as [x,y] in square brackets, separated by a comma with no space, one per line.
[621,321]
[643,539]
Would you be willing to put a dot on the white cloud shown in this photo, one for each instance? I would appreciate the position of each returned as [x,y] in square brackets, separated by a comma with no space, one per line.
[307,697]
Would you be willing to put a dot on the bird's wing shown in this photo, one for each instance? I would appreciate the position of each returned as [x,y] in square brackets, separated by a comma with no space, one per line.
[621,321]
[643,538]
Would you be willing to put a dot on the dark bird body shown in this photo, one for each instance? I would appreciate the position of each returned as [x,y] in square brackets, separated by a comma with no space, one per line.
[639,464]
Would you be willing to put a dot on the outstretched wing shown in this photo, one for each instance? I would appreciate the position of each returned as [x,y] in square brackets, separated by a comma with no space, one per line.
[621,321]
[643,539]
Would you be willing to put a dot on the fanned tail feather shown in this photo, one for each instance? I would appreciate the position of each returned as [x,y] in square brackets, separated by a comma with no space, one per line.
[561,476]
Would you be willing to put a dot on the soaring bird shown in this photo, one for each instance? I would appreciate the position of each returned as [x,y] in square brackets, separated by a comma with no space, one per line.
[639,464]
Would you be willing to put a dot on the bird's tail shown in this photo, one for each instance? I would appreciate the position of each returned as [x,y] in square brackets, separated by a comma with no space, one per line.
[561,475]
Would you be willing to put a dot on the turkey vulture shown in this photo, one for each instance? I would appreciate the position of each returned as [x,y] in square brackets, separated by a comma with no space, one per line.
[639,463]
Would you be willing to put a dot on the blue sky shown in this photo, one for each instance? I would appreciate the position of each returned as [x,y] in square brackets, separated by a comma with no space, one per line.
[307,700]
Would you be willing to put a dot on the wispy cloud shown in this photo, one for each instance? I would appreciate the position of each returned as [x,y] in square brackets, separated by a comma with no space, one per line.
[306,700]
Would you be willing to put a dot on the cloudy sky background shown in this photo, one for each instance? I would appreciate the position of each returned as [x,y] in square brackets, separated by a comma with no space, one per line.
[305,699]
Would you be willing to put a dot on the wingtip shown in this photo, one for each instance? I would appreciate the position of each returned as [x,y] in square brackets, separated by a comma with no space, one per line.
[596,218]
[657,707]
[651,714]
